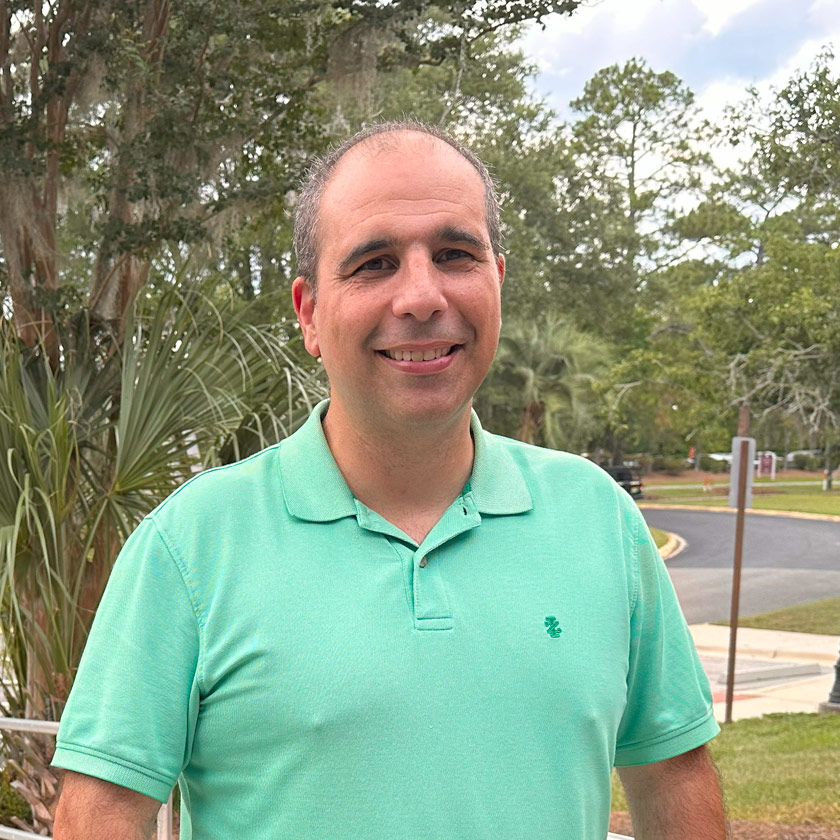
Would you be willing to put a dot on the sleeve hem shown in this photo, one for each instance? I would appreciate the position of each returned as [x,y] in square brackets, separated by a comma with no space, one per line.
[111,769]
[684,739]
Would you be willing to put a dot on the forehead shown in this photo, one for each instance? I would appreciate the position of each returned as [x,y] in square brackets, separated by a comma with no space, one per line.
[400,185]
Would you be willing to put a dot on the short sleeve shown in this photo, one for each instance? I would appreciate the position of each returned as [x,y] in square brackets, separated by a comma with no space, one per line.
[131,713]
[669,703]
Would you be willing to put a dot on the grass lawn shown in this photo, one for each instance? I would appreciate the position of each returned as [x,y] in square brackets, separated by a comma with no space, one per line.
[817,617]
[659,537]
[778,768]
[691,477]
[808,499]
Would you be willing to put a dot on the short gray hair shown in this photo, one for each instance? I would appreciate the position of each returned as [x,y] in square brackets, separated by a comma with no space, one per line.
[308,205]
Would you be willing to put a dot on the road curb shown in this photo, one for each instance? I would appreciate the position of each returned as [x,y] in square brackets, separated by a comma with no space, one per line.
[770,653]
[672,547]
[819,517]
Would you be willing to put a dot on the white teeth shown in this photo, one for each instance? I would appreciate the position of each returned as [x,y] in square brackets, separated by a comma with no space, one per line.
[417,355]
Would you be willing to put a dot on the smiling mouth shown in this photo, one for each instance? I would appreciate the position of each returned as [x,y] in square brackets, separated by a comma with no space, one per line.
[419,355]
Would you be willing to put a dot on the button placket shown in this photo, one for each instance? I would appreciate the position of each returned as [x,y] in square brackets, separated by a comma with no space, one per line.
[432,610]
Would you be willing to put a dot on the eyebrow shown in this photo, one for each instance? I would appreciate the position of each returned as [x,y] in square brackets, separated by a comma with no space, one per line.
[365,248]
[454,234]
[450,235]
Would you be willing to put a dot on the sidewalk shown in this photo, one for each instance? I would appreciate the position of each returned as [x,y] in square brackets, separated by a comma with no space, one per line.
[774,671]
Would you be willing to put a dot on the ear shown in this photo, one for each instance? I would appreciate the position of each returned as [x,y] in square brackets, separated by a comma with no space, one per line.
[500,267]
[303,298]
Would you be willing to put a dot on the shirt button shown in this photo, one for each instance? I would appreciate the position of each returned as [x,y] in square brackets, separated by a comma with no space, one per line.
[422,562]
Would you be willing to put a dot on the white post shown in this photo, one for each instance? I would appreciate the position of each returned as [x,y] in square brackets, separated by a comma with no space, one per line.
[164,821]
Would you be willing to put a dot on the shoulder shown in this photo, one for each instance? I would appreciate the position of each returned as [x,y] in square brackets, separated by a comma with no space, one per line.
[538,464]
[572,488]
[221,491]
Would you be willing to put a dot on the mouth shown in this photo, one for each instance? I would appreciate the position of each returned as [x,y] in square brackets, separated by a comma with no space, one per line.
[426,354]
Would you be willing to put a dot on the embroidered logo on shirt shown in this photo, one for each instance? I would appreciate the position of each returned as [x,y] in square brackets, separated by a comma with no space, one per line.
[552,626]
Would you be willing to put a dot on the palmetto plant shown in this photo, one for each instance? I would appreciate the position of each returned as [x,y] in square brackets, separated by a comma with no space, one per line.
[89,445]
[546,369]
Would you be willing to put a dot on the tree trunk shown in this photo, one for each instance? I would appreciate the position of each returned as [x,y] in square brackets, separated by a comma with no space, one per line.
[118,273]
[530,422]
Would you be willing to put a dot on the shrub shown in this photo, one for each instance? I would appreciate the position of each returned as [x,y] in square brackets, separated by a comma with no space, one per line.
[12,804]
[645,463]
[712,465]
[803,461]
[673,466]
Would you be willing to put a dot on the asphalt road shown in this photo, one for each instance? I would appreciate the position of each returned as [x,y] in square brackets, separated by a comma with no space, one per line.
[786,561]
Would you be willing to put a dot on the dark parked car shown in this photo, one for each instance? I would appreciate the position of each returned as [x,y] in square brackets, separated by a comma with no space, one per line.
[629,478]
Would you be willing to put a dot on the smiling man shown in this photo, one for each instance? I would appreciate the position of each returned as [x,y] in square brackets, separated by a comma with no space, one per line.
[392,624]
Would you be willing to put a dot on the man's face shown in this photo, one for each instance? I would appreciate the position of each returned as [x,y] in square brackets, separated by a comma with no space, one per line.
[407,314]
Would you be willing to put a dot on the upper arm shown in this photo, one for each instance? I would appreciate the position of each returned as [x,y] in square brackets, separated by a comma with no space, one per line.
[676,798]
[92,809]
[693,766]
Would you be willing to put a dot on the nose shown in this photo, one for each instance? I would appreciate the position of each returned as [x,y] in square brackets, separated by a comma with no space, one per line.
[419,292]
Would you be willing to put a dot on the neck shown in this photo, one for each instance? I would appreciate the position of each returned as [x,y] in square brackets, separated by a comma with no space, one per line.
[412,473]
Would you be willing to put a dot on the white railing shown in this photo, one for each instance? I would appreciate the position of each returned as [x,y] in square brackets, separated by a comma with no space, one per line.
[49,727]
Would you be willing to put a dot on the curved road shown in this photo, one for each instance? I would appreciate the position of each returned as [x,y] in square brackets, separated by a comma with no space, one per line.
[786,561]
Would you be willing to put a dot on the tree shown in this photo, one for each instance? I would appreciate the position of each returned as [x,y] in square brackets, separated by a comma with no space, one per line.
[766,310]
[639,143]
[169,119]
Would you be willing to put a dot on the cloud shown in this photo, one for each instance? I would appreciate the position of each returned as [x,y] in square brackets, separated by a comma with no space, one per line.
[718,13]
[718,47]
[570,51]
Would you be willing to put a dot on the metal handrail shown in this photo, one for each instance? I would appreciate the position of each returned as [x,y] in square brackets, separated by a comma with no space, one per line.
[50,727]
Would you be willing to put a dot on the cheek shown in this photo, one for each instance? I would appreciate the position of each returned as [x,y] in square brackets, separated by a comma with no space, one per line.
[344,327]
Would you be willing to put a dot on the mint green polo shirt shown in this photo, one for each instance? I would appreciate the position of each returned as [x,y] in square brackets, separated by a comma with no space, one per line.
[305,670]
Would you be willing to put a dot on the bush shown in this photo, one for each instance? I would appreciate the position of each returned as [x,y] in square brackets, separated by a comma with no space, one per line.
[645,463]
[12,804]
[673,466]
[712,465]
[803,461]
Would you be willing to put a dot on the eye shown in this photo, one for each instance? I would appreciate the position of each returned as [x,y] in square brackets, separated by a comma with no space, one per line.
[375,264]
[454,254]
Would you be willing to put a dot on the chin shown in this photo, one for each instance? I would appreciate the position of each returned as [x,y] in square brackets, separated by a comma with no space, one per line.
[423,412]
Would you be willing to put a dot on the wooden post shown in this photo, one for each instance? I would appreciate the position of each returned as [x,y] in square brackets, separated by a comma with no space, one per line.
[743,431]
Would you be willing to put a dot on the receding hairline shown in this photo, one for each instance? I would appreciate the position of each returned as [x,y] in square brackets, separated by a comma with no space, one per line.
[376,139]
[390,142]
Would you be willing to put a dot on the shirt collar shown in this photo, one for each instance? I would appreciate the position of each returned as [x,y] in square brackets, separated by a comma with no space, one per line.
[314,488]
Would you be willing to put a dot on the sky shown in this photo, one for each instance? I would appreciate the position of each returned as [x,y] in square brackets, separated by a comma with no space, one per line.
[717,47]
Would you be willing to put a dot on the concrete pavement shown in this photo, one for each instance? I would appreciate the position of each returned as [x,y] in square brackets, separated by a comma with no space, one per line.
[775,671]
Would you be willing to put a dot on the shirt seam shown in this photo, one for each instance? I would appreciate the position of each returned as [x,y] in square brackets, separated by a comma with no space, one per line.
[635,554]
[69,746]
[178,562]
